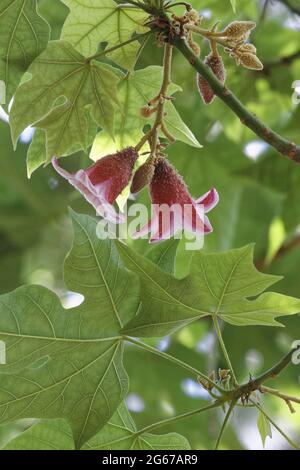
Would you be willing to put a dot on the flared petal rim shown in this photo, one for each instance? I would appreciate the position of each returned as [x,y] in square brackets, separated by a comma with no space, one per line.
[95,195]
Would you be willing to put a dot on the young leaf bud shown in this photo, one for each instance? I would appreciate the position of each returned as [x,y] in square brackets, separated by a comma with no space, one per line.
[193,45]
[215,63]
[142,177]
[250,61]
[193,17]
[248,48]
[238,29]
[147,111]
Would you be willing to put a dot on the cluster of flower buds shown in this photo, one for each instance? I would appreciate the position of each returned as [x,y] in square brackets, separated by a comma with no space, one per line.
[208,385]
[102,183]
[234,38]
[245,55]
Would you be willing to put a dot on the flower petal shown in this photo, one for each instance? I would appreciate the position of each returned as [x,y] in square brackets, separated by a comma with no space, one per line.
[95,196]
[195,221]
[209,200]
[168,221]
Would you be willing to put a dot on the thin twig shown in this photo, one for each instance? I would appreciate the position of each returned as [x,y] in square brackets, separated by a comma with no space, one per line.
[224,424]
[282,145]
[118,46]
[177,418]
[290,6]
[255,384]
[287,398]
[223,347]
[147,347]
[153,135]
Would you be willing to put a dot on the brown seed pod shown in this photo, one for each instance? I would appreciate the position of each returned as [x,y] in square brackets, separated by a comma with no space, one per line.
[215,63]
[143,176]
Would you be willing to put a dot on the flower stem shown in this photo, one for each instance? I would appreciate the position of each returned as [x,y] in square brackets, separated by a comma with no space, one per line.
[223,347]
[182,364]
[118,46]
[226,419]
[153,135]
[177,418]
[283,396]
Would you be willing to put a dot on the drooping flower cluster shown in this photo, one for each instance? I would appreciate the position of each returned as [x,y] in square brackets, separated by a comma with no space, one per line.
[172,205]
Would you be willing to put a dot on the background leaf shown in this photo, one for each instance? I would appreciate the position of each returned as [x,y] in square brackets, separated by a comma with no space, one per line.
[264,427]
[69,363]
[24,35]
[90,23]
[121,434]
[63,88]
[54,434]
[134,92]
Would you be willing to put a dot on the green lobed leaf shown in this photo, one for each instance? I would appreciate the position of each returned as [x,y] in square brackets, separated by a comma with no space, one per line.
[135,91]
[264,427]
[63,89]
[36,154]
[121,434]
[24,35]
[219,285]
[91,22]
[68,363]
[164,255]
[52,434]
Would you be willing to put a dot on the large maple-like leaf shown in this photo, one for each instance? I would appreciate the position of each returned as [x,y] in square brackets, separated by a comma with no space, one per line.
[226,285]
[91,22]
[135,91]
[64,87]
[51,434]
[120,433]
[24,34]
[68,363]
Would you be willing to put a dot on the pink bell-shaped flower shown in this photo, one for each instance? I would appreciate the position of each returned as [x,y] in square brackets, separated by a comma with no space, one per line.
[174,208]
[103,182]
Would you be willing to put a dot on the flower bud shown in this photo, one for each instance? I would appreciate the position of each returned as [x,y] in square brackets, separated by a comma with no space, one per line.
[248,48]
[194,46]
[193,16]
[215,63]
[250,61]
[143,177]
[239,29]
[146,111]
